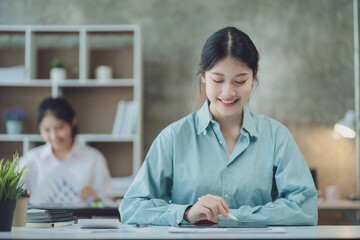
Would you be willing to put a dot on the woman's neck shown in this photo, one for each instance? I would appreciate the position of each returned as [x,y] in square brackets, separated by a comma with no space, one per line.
[62,153]
[229,123]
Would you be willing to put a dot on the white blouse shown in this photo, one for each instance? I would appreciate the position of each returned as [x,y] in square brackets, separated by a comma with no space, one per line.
[85,164]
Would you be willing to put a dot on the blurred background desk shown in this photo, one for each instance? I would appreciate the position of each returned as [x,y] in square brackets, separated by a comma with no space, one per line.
[339,212]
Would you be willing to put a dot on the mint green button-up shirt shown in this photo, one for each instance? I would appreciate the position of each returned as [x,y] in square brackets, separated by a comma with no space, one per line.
[189,159]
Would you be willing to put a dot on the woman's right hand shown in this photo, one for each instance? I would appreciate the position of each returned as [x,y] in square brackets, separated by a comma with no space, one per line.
[207,208]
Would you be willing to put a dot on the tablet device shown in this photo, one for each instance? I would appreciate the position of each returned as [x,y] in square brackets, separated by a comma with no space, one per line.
[224,224]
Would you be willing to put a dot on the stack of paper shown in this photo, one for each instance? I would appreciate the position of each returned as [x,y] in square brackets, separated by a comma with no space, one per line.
[49,218]
[12,74]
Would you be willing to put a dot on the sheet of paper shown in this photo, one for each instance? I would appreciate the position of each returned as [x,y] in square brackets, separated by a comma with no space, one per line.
[59,187]
[227,230]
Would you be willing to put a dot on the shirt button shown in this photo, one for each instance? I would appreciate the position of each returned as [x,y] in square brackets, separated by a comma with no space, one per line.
[204,133]
[227,168]
[220,142]
[226,195]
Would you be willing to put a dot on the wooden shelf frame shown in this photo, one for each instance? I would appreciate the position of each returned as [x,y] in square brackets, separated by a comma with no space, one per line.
[83,32]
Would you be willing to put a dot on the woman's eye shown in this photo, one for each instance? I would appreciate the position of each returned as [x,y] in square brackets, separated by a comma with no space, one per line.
[240,83]
[59,127]
[217,81]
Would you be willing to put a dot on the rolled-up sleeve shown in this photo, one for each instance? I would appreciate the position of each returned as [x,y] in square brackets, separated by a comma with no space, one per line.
[148,200]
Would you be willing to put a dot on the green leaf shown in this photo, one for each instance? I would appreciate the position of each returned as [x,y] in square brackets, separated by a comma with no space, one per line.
[12,178]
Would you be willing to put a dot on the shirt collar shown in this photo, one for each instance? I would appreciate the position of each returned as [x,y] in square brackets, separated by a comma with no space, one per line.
[46,153]
[48,150]
[249,123]
[204,118]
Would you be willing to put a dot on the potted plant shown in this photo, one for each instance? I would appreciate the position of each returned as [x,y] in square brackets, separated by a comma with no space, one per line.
[14,118]
[20,212]
[58,71]
[11,185]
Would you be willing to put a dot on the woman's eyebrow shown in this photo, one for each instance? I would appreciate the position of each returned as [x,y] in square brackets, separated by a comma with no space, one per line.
[237,75]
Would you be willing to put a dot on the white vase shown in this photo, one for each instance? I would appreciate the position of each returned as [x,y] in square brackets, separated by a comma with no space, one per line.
[13,126]
[57,74]
[104,73]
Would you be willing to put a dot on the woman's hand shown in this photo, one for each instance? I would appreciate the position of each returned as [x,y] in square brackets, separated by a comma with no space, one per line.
[88,192]
[207,208]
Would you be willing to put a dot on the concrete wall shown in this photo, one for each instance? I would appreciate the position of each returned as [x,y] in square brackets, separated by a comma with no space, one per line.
[306,68]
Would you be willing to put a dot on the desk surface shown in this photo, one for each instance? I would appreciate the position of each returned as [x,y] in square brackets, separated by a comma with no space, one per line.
[339,205]
[125,232]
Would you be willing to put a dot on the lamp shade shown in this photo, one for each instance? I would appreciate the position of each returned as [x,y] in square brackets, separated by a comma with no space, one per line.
[345,127]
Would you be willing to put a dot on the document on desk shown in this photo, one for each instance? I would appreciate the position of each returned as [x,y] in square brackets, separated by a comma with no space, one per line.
[59,187]
[227,230]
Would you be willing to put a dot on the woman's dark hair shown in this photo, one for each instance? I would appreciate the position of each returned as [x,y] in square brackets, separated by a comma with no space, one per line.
[231,42]
[58,107]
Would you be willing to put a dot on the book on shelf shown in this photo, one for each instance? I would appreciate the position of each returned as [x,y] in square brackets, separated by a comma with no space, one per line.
[125,119]
[49,218]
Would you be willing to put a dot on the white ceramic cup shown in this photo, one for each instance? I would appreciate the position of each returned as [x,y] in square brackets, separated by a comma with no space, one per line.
[333,193]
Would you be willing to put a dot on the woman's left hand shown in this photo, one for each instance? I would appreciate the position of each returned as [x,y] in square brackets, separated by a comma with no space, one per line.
[88,192]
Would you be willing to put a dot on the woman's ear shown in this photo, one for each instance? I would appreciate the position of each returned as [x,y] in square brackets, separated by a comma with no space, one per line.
[74,122]
[203,80]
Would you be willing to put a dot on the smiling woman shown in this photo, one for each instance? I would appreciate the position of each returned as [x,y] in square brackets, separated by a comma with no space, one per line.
[87,167]
[223,158]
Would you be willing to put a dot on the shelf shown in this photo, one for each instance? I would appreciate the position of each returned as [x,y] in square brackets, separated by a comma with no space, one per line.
[104,138]
[20,137]
[70,83]
[27,52]
[26,83]
[96,83]
[79,137]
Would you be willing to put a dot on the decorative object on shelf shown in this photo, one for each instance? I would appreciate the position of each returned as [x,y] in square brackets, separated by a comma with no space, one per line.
[13,118]
[103,73]
[58,71]
[11,187]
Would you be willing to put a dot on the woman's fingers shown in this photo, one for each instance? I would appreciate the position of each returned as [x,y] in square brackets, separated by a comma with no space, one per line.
[216,206]
[207,208]
[88,192]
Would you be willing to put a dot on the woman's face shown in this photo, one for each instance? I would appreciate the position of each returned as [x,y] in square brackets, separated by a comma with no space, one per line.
[228,87]
[57,132]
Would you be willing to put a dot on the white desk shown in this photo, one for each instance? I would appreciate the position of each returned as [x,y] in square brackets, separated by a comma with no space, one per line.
[339,205]
[73,232]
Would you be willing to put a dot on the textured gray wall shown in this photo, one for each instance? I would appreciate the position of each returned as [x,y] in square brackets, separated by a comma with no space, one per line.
[306,68]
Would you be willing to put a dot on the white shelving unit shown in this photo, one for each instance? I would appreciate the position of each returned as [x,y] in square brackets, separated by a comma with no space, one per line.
[82,48]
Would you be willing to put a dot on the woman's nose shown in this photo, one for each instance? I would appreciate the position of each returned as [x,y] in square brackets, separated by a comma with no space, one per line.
[229,90]
[52,135]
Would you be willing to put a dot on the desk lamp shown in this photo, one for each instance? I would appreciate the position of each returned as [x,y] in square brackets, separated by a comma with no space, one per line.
[345,127]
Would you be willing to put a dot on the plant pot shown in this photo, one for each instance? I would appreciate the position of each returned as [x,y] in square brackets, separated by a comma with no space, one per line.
[57,74]
[13,126]
[7,212]
[20,213]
